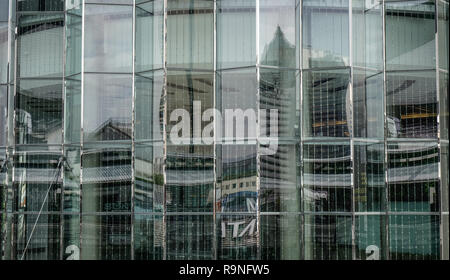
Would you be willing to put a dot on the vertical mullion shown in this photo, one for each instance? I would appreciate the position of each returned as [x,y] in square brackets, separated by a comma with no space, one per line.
[214,232]
[258,123]
[133,130]
[164,245]
[83,17]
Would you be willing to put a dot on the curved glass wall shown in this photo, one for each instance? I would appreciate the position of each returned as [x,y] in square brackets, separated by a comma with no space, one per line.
[224,129]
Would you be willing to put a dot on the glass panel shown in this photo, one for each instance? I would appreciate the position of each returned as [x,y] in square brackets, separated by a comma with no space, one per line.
[3,115]
[129,2]
[35,174]
[190,34]
[149,106]
[149,178]
[281,237]
[148,237]
[190,237]
[371,239]
[236,173]
[106,179]
[4,10]
[280,180]
[369,189]
[108,38]
[444,176]
[326,104]
[443,18]
[72,191]
[411,104]
[4,30]
[3,181]
[443,105]
[368,104]
[43,241]
[328,237]
[72,109]
[367,20]
[325,33]
[71,237]
[279,34]
[39,112]
[236,100]
[107,107]
[73,39]
[327,177]
[413,177]
[149,35]
[106,237]
[237,237]
[40,45]
[40,5]
[414,237]
[410,35]
[6,236]
[236,33]
[190,178]
[280,90]
[445,237]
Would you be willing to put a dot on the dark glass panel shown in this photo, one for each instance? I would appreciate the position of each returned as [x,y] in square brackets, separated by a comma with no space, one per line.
[414,237]
[411,104]
[39,112]
[149,178]
[326,104]
[281,237]
[190,237]
[41,5]
[327,177]
[37,180]
[106,237]
[328,237]
[368,104]
[42,239]
[370,237]
[413,177]
[148,237]
[369,192]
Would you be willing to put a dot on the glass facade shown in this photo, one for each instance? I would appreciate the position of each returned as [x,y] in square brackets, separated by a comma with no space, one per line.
[224,129]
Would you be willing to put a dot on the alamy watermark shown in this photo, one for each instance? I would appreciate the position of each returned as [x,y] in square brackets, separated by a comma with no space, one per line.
[234,126]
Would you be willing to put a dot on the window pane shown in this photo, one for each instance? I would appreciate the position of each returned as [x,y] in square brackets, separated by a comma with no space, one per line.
[4,52]
[190,237]
[39,112]
[443,35]
[370,235]
[44,242]
[107,107]
[148,237]
[325,33]
[328,237]
[73,37]
[106,237]
[236,33]
[190,34]
[72,109]
[413,237]
[40,5]
[281,237]
[71,237]
[149,35]
[3,115]
[327,177]
[72,190]
[413,177]
[108,38]
[106,179]
[278,34]
[326,108]
[443,102]
[411,104]
[237,237]
[410,35]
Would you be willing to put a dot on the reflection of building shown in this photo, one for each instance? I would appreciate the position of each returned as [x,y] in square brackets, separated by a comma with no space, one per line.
[352,166]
